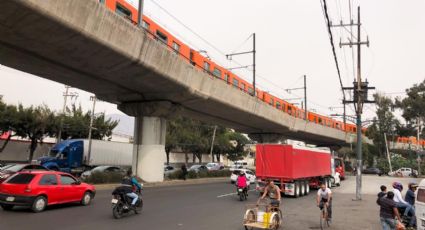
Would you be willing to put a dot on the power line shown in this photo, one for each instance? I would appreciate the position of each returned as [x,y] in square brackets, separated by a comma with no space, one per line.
[327,21]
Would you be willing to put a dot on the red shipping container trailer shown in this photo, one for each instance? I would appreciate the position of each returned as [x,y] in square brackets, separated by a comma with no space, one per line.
[294,168]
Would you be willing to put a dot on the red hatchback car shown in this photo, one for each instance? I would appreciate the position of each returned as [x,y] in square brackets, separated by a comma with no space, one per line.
[38,189]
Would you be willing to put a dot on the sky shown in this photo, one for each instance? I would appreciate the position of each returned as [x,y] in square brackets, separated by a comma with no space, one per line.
[291,40]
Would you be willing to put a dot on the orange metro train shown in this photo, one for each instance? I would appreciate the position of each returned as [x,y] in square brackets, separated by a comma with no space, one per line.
[128,11]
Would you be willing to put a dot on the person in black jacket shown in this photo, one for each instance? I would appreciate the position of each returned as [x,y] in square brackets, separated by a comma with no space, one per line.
[184,171]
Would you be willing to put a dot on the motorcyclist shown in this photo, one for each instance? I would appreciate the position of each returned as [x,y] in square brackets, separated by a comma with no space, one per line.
[128,184]
[242,181]
[401,203]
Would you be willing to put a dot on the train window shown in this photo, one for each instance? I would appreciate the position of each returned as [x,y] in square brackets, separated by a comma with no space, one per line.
[146,25]
[162,36]
[121,10]
[320,120]
[226,77]
[242,86]
[235,82]
[250,90]
[191,56]
[207,66]
[278,105]
[217,72]
[176,47]
[271,101]
[290,110]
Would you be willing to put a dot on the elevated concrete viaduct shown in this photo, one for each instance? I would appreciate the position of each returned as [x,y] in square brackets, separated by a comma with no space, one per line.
[82,44]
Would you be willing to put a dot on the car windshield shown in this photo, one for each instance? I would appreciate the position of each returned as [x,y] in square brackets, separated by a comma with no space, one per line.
[25,178]
[15,168]
[211,164]
[6,167]
[237,172]
[100,168]
[53,153]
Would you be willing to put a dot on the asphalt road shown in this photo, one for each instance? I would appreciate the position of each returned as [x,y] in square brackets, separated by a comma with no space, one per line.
[194,207]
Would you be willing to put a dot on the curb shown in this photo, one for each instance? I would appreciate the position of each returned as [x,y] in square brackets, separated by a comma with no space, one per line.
[168,183]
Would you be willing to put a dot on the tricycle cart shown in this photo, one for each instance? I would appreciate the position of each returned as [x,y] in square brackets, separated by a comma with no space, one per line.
[262,216]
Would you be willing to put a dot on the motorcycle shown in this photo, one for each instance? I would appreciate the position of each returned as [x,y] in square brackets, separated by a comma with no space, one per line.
[121,203]
[242,193]
[405,219]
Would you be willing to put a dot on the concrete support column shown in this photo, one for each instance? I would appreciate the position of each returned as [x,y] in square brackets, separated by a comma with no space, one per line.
[149,148]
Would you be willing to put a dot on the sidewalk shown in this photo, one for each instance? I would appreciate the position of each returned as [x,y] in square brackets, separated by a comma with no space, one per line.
[169,183]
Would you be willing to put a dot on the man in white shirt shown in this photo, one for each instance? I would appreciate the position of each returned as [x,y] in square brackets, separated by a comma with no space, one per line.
[401,203]
[324,196]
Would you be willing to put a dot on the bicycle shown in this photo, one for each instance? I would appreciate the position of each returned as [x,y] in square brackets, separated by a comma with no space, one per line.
[324,220]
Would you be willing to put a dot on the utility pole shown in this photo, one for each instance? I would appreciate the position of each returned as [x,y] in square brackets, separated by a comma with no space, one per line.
[418,146]
[305,97]
[140,14]
[388,152]
[360,97]
[212,143]
[94,99]
[66,94]
[253,52]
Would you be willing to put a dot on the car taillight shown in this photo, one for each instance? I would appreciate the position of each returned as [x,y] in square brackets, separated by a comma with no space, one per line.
[27,189]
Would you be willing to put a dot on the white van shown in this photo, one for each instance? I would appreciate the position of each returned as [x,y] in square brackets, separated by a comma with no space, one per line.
[420,205]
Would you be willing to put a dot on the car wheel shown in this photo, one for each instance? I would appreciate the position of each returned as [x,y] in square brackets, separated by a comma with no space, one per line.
[86,200]
[7,207]
[39,204]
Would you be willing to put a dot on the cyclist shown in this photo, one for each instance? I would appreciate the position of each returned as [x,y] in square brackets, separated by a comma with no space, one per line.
[324,196]
[273,192]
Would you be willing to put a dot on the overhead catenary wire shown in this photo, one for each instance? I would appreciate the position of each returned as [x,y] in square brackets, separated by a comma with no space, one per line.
[223,53]
[325,10]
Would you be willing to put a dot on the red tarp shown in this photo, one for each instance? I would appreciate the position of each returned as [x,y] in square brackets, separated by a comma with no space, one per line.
[287,162]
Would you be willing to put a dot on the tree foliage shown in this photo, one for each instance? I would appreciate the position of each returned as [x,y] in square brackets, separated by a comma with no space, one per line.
[383,123]
[193,136]
[413,105]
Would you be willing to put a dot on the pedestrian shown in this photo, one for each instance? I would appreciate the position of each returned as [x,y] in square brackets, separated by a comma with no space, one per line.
[410,194]
[388,212]
[382,193]
[184,171]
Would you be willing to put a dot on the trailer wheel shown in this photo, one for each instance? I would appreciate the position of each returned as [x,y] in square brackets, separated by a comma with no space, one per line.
[307,187]
[296,189]
[302,188]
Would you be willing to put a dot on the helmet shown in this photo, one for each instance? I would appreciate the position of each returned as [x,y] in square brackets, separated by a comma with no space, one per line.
[398,186]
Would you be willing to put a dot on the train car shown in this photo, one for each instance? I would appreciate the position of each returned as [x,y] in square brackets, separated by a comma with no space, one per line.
[128,10]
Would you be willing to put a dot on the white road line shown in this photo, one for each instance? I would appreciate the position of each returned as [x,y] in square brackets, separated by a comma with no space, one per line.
[232,194]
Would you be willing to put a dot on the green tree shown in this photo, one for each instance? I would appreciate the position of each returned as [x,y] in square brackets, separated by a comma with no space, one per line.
[7,121]
[76,125]
[383,123]
[413,105]
[34,123]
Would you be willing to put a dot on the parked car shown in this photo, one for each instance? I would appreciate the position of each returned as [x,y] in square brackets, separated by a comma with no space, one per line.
[198,168]
[250,175]
[103,169]
[404,172]
[214,166]
[168,169]
[373,170]
[12,169]
[38,189]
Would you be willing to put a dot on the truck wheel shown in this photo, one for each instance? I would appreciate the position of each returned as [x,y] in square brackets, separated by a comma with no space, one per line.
[302,188]
[307,187]
[296,189]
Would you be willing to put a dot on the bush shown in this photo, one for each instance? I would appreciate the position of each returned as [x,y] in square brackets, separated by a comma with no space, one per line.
[104,178]
[178,174]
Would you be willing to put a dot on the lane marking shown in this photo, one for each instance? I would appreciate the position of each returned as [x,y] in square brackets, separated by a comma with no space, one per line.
[232,194]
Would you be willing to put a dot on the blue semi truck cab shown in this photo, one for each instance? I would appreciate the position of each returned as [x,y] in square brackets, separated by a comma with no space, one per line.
[65,156]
